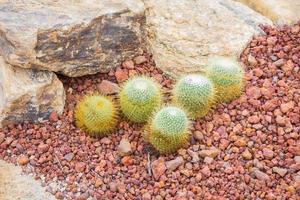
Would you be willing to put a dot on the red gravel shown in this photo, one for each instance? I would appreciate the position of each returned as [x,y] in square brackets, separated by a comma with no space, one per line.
[248,149]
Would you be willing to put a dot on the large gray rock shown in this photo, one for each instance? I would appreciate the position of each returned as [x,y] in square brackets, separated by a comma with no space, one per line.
[16,186]
[28,95]
[279,11]
[183,35]
[71,37]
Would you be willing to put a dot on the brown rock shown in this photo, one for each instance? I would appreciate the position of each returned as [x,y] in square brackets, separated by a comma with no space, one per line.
[107,87]
[261,175]
[253,92]
[146,196]
[258,72]
[69,156]
[127,160]
[105,140]
[240,142]
[212,152]
[43,148]
[288,66]
[279,63]
[268,153]
[121,187]
[252,61]
[158,168]
[280,120]
[297,159]
[23,160]
[2,137]
[198,135]
[194,155]
[128,64]
[140,60]
[286,107]
[206,171]
[173,164]
[113,186]
[280,171]
[254,119]
[80,167]
[247,155]
[121,75]
[53,117]
[208,160]
[124,147]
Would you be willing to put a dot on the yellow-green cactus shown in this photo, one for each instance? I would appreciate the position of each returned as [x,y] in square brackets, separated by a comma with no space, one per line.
[227,76]
[168,130]
[139,98]
[195,93]
[97,115]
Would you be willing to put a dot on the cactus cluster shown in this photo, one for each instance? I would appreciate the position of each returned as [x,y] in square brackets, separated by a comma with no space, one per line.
[168,130]
[139,98]
[195,93]
[97,115]
[227,77]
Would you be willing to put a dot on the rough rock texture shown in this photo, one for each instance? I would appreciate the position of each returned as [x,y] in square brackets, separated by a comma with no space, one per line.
[15,186]
[70,37]
[280,11]
[28,95]
[184,34]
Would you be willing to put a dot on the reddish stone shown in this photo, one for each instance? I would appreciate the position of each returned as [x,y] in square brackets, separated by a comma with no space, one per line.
[121,75]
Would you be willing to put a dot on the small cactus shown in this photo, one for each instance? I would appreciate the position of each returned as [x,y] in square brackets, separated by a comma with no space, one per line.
[228,78]
[97,115]
[139,98]
[168,130]
[195,93]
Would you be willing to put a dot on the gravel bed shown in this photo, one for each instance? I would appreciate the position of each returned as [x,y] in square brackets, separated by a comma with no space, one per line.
[248,149]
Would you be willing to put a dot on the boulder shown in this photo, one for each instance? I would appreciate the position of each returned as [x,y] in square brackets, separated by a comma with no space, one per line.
[183,35]
[28,94]
[15,185]
[73,38]
[280,11]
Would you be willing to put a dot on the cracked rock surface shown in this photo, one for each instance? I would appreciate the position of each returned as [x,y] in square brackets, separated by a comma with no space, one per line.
[16,186]
[183,35]
[73,38]
[28,95]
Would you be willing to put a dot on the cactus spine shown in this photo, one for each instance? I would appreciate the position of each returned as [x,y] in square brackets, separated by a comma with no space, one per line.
[195,93]
[227,77]
[168,130]
[139,98]
[97,115]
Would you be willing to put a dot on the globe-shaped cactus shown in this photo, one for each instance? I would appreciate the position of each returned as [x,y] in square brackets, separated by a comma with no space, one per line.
[195,93]
[168,130]
[228,78]
[139,98]
[97,115]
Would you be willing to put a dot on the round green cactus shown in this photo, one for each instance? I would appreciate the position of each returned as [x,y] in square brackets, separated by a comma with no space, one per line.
[228,78]
[195,93]
[168,130]
[139,98]
[97,115]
